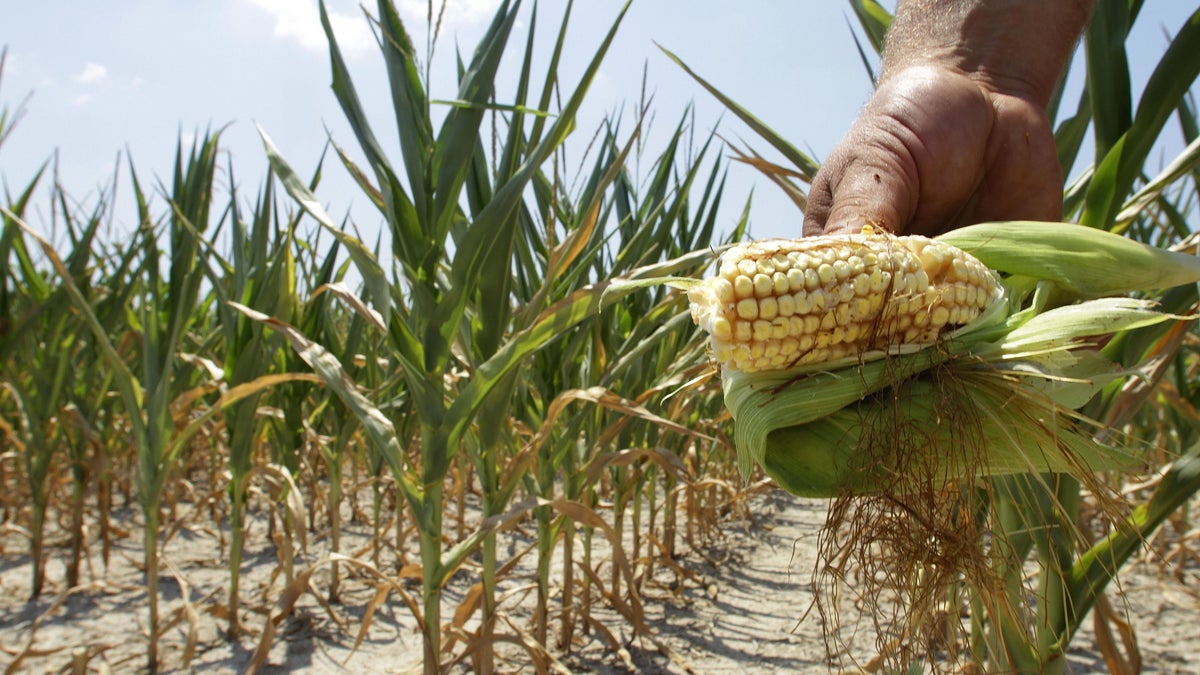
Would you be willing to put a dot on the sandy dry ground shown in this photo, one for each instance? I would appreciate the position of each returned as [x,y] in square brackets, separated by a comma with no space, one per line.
[737,613]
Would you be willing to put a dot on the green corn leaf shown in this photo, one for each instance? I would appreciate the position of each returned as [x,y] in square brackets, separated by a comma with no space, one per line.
[875,21]
[1183,165]
[1108,69]
[373,277]
[802,162]
[378,428]
[496,220]
[1119,167]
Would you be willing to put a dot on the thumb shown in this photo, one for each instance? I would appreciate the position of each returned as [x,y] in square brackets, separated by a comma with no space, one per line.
[845,196]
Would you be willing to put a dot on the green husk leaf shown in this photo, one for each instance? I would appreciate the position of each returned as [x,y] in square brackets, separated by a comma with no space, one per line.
[1082,260]
[1064,326]
[925,432]
[762,403]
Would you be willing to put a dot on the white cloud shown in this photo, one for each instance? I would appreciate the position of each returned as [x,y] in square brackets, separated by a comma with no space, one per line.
[82,99]
[299,20]
[92,72]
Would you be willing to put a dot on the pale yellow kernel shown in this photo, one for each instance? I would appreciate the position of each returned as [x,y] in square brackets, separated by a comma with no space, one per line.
[960,294]
[722,289]
[933,296]
[789,346]
[802,302]
[842,314]
[721,329]
[824,339]
[857,264]
[841,268]
[768,308]
[763,285]
[845,292]
[921,319]
[828,321]
[959,267]
[812,280]
[876,304]
[817,300]
[852,332]
[771,349]
[796,325]
[862,284]
[762,330]
[879,280]
[860,309]
[748,309]
[756,350]
[807,342]
[826,274]
[779,328]
[933,259]
[922,281]
[743,287]
[723,354]
[778,361]
[780,281]
[795,279]
[956,316]
[742,332]
[747,267]
[765,266]
[729,270]
[781,261]
[787,305]
[838,335]
[939,316]
[812,324]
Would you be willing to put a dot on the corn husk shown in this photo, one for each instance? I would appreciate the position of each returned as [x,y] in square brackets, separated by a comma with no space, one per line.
[995,397]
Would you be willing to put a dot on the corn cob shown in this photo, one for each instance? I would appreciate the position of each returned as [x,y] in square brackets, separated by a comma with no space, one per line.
[800,328]
[779,303]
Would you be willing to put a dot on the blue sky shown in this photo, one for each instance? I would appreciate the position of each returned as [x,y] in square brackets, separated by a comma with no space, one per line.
[135,75]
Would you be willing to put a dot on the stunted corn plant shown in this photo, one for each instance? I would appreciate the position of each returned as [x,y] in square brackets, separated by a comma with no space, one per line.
[448,316]
[260,273]
[157,391]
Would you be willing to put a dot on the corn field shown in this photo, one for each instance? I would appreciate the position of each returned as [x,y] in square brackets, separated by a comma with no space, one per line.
[493,425]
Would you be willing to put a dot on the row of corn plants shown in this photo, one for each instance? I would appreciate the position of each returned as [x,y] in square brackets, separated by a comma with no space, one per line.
[489,367]
[1080,530]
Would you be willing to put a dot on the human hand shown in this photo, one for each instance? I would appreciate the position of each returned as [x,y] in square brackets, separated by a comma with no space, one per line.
[935,149]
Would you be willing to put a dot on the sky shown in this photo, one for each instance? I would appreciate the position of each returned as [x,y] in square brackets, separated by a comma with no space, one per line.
[129,78]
